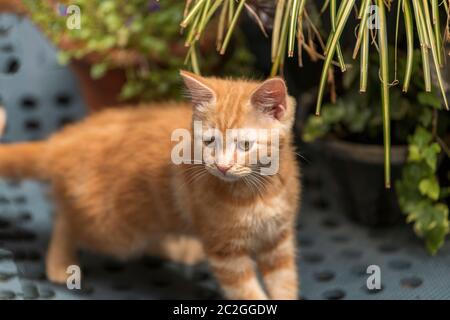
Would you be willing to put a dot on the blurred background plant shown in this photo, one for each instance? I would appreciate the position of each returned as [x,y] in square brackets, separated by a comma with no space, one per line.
[418,122]
[142,37]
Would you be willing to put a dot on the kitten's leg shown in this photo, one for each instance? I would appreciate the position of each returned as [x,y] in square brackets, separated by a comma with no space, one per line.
[236,276]
[278,268]
[182,249]
[61,252]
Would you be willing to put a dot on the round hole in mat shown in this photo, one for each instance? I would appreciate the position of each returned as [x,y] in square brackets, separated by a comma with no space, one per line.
[300,226]
[206,293]
[30,291]
[312,257]
[14,183]
[330,223]
[324,275]
[305,241]
[4,224]
[340,238]
[113,266]
[122,286]
[4,200]
[20,199]
[351,253]
[6,276]
[24,235]
[63,99]
[63,121]
[7,295]
[34,255]
[359,270]
[11,66]
[373,291]
[388,248]
[7,48]
[29,102]
[399,264]
[202,275]
[334,294]
[411,282]
[321,203]
[152,262]
[5,254]
[86,289]
[160,283]
[46,293]
[24,216]
[32,125]
[35,275]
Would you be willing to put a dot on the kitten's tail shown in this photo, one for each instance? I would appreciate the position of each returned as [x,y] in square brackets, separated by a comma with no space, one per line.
[22,160]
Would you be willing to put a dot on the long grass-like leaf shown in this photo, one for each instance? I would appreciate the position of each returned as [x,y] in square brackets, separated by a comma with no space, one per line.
[346,8]
[282,42]
[364,12]
[292,26]
[203,20]
[409,43]
[194,60]
[364,59]
[221,27]
[232,26]
[437,29]
[385,101]
[230,11]
[434,50]
[192,31]
[333,27]
[297,10]
[422,33]
[277,25]
[192,13]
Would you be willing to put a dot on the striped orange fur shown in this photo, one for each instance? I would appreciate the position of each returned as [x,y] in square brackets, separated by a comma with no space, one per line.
[118,192]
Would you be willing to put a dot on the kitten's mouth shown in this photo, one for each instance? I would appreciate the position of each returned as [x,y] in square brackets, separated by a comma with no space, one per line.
[223,175]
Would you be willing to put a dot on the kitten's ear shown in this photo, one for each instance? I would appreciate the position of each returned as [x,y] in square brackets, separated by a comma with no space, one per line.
[198,91]
[271,98]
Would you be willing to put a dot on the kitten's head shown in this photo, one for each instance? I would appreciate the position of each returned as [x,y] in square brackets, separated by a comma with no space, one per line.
[239,121]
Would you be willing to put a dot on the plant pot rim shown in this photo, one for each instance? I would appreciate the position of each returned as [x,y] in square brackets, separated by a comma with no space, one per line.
[360,152]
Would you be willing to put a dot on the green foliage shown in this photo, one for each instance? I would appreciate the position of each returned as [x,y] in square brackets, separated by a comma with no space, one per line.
[146,29]
[357,117]
[419,192]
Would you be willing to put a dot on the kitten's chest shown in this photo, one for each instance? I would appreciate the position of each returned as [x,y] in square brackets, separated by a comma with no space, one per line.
[259,224]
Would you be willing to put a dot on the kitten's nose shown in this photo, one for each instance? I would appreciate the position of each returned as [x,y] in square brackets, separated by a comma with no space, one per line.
[223,168]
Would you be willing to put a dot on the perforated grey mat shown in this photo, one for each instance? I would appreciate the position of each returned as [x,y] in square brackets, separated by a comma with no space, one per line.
[40,96]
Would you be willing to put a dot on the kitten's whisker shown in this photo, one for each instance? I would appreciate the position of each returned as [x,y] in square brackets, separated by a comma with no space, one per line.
[303,157]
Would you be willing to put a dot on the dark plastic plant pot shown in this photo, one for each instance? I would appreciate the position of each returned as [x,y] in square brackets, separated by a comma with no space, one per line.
[359,172]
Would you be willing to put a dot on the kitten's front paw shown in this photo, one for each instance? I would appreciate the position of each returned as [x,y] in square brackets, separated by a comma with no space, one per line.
[56,268]
[56,274]
[186,250]
[180,249]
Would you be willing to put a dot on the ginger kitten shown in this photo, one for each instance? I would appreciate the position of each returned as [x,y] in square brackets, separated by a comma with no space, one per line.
[118,191]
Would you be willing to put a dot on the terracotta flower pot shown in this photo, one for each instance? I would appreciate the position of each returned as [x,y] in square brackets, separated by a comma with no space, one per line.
[99,93]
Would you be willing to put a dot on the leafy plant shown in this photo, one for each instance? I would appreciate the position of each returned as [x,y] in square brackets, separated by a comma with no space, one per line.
[140,36]
[419,192]
[292,17]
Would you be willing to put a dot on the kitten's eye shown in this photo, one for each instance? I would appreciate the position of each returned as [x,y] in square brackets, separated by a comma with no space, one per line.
[208,141]
[245,145]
